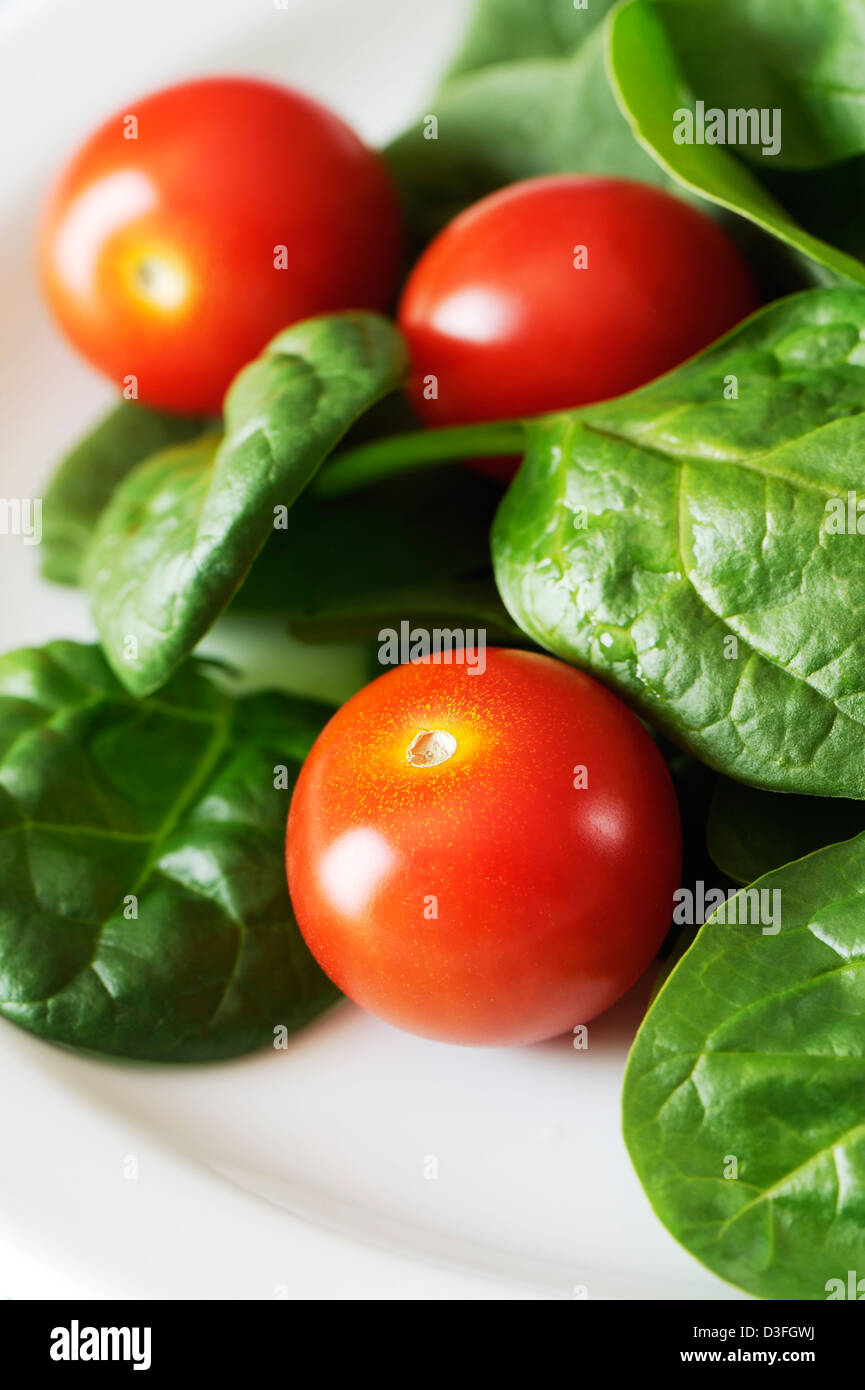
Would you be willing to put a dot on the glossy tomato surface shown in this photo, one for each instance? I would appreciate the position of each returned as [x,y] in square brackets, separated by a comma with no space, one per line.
[195,224]
[498,313]
[449,869]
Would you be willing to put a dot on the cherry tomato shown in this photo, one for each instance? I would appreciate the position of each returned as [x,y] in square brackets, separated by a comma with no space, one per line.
[191,227]
[484,856]
[560,291]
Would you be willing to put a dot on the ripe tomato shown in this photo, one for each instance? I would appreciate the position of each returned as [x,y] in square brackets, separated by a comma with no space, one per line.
[498,314]
[160,246]
[449,870]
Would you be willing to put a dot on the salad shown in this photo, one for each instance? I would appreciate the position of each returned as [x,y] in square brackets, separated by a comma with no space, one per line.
[556,405]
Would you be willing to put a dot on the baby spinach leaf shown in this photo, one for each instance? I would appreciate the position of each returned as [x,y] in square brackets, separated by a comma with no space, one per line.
[86,478]
[743,1094]
[807,59]
[503,31]
[180,534]
[678,543]
[514,121]
[752,832]
[651,85]
[143,904]
[412,549]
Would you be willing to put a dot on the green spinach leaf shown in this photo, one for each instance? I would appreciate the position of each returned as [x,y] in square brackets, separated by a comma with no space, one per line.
[677,542]
[806,59]
[743,1094]
[651,85]
[143,905]
[512,121]
[752,832]
[86,478]
[504,31]
[181,532]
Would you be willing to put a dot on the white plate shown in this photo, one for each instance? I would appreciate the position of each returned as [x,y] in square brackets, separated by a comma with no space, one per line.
[304,1173]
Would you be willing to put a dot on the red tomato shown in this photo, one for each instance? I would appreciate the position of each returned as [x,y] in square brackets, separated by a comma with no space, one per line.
[497,312]
[449,875]
[160,253]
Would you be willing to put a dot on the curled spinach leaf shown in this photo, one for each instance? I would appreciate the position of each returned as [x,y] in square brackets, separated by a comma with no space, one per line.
[87,477]
[743,1093]
[651,84]
[677,542]
[807,59]
[181,532]
[143,905]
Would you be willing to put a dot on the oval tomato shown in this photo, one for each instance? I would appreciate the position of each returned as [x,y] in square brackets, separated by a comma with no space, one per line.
[560,291]
[484,857]
[190,229]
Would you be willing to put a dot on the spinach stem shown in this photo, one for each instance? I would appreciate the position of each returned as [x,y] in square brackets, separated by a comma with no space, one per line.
[402,453]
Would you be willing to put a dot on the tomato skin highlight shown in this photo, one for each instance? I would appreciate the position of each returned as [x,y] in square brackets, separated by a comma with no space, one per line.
[484,899]
[496,311]
[158,254]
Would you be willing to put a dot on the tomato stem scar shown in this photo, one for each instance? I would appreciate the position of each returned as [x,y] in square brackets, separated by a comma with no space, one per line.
[431,747]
